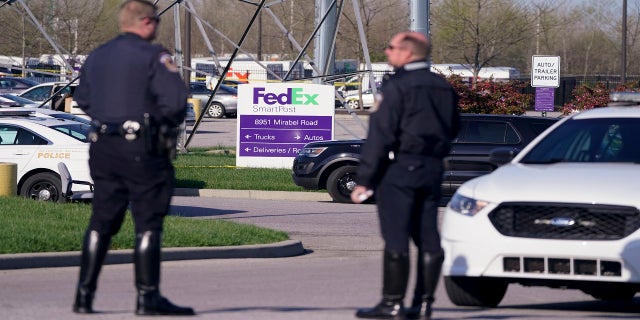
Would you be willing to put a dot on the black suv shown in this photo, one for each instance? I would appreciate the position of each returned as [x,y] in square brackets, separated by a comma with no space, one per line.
[332,164]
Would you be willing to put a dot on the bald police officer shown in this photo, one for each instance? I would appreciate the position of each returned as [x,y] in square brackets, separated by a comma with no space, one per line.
[402,161]
[134,94]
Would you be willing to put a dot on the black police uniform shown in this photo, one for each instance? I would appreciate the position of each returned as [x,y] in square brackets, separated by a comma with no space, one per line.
[402,160]
[120,82]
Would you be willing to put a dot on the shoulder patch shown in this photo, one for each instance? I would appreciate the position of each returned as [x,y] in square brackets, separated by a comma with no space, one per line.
[167,61]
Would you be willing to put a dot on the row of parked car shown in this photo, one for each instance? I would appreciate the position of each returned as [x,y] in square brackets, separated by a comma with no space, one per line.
[19,92]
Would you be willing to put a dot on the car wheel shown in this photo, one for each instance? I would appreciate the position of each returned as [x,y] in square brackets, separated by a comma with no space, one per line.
[341,182]
[353,104]
[612,292]
[216,110]
[474,291]
[45,186]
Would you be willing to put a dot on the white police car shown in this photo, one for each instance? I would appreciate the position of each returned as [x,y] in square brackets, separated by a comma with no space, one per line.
[563,213]
[37,145]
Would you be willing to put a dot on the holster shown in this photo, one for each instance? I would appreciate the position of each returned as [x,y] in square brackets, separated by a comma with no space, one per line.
[160,138]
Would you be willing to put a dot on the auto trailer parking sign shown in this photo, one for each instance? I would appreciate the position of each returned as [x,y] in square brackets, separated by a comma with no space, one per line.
[276,120]
[545,71]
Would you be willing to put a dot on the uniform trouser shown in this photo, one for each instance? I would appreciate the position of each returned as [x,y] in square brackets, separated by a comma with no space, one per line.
[125,174]
[407,199]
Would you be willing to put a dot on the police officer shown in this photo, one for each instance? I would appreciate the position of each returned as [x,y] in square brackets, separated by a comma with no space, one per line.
[402,161]
[134,94]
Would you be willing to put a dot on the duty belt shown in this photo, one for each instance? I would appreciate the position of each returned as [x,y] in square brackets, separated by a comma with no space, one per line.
[129,129]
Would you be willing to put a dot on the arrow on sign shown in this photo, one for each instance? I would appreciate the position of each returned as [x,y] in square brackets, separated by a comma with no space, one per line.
[248,136]
[247,149]
[297,137]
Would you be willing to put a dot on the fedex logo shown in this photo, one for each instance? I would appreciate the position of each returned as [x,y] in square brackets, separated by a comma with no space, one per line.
[292,96]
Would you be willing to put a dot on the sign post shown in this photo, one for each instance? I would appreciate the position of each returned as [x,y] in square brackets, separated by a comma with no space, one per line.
[545,76]
[276,120]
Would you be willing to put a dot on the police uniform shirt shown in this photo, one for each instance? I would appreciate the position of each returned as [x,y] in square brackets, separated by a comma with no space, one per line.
[127,77]
[418,115]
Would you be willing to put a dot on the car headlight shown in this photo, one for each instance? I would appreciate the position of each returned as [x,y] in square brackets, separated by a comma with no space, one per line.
[312,152]
[465,205]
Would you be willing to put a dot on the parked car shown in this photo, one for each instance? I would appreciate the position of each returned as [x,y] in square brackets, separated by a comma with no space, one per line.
[15,101]
[48,113]
[43,91]
[7,103]
[563,213]
[352,101]
[37,144]
[15,85]
[225,102]
[332,165]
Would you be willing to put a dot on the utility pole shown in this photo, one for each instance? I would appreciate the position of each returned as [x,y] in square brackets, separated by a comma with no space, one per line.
[187,47]
[623,71]
[259,51]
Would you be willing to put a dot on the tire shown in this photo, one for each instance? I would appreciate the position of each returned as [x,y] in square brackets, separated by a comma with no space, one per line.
[44,186]
[473,291]
[353,104]
[612,292]
[341,182]
[215,110]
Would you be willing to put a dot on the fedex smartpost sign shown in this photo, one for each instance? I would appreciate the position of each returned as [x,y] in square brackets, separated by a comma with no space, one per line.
[276,120]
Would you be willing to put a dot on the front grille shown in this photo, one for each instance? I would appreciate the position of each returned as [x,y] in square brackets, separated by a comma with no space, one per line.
[565,221]
[562,266]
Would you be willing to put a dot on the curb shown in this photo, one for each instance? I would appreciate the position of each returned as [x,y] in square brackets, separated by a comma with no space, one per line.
[253,194]
[288,248]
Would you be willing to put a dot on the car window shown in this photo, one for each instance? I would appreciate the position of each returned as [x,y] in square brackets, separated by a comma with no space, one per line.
[37,94]
[590,140]
[17,99]
[538,127]
[11,135]
[481,131]
[226,89]
[76,130]
[7,84]
[68,91]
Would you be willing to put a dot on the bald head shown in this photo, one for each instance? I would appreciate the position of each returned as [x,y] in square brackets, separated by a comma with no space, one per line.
[407,47]
[417,42]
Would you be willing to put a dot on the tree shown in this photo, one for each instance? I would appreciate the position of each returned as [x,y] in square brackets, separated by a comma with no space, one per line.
[480,33]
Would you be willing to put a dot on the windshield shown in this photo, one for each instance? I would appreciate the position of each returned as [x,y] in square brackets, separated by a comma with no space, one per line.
[17,99]
[590,140]
[78,131]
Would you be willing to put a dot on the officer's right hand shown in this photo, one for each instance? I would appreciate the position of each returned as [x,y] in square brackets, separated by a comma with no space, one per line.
[360,194]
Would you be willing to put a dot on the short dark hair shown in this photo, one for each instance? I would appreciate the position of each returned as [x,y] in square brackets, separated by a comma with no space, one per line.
[132,10]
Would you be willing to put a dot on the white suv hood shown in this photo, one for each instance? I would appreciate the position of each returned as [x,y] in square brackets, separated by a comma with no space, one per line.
[595,183]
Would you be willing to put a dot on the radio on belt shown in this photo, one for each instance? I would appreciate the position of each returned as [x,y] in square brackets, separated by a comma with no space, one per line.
[130,130]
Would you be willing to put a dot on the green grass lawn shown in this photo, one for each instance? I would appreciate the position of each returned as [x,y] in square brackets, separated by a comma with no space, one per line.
[203,169]
[33,226]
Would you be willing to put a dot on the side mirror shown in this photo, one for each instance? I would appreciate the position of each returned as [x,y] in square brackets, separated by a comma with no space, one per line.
[501,156]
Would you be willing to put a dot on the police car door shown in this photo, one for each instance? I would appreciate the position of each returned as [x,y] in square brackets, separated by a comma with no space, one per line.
[18,145]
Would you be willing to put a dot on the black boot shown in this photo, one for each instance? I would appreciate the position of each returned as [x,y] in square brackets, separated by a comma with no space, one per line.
[414,311]
[395,274]
[431,267]
[147,268]
[94,249]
